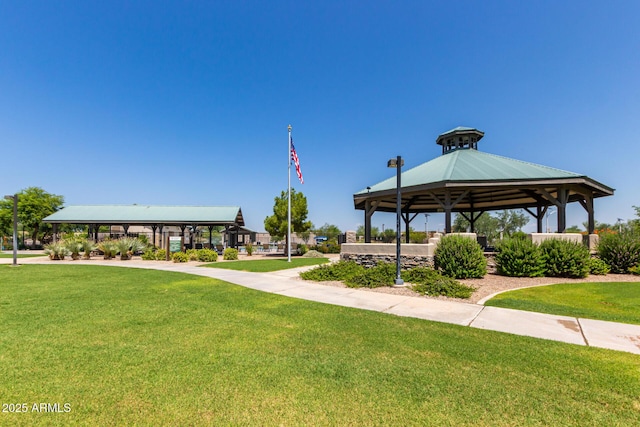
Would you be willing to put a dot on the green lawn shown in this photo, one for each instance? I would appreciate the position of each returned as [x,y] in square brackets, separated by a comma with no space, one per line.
[141,347]
[266,265]
[616,302]
[10,255]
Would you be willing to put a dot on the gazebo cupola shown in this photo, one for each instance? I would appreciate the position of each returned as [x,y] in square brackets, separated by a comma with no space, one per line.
[459,138]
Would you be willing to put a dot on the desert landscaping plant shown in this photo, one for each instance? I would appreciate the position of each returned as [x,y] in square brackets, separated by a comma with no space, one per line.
[108,248]
[207,255]
[460,257]
[517,257]
[230,254]
[427,281]
[565,258]
[620,251]
[57,251]
[88,246]
[180,257]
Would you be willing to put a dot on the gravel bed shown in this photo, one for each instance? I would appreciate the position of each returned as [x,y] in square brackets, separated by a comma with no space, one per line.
[493,283]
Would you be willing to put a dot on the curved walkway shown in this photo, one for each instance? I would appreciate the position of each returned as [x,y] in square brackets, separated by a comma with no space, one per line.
[595,333]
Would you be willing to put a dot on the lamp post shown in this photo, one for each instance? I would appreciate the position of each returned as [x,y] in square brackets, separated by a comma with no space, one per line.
[15,227]
[548,215]
[426,225]
[397,163]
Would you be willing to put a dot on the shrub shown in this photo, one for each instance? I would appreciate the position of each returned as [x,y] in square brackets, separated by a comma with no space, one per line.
[520,258]
[149,255]
[341,270]
[207,255]
[56,251]
[302,249]
[249,248]
[619,251]
[180,257]
[565,258]
[161,254]
[87,247]
[383,274]
[635,270]
[313,254]
[230,254]
[427,281]
[192,254]
[598,267]
[108,248]
[460,257]
[73,244]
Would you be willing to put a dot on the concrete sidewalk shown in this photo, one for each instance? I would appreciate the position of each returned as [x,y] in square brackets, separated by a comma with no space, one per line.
[595,333]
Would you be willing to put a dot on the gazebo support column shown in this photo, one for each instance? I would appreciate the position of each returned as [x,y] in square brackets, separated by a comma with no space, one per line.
[55,233]
[407,228]
[210,228]
[160,227]
[126,229]
[538,215]
[587,204]
[153,228]
[370,208]
[96,228]
[563,197]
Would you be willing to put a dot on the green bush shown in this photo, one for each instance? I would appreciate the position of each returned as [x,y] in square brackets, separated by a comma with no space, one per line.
[249,248]
[460,257]
[180,257]
[149,255]
[565,258]
[302,249]
[161,254]
[192,254]
[427,281]
[383,274]
[635,270]
[207,255]
[598,267]
[341,270]
[519,258]
[230,254]
[620,251]
[56,251]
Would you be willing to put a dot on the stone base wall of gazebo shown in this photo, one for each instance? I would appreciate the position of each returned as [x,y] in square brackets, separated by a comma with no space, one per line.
[369,254]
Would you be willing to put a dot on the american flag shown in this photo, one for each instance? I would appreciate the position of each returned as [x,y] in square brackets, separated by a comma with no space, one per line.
[294,157]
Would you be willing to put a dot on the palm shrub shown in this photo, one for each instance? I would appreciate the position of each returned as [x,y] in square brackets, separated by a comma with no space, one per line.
[108,248]
[56,251]
[620,251]
[565,258]
[427,281]
[460,257]
[74,246]
[87,247]
[122,246]
[230,254]
[520,258]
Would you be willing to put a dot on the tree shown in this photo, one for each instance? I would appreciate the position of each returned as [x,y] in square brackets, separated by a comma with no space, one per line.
[34,204]
[375,232]
[276,224]
[506,222]
[330,231]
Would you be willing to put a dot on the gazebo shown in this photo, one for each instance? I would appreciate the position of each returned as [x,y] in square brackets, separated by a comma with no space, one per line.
[155,217]
[470,182]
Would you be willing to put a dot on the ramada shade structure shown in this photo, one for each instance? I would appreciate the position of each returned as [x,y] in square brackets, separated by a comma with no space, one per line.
[470,182]
[155,217]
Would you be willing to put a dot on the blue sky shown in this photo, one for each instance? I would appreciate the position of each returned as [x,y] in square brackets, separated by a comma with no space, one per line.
[187,103]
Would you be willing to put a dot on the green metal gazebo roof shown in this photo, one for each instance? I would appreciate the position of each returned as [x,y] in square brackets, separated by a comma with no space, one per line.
[148,215]
[468,165]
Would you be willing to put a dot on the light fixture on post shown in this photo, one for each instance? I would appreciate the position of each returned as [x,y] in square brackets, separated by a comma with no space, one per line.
[549,213]
[426,227]
[397,163]
[15,227]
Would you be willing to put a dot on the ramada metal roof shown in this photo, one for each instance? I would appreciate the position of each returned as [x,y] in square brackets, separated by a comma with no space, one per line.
[495,182]
[147,215]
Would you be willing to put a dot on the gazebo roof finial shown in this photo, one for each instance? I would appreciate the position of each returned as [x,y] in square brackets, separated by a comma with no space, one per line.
[460,137]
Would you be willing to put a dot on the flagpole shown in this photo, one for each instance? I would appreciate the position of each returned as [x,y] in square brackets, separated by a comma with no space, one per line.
[289,200]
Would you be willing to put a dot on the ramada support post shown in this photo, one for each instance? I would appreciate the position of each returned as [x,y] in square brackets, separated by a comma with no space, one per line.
[153,228]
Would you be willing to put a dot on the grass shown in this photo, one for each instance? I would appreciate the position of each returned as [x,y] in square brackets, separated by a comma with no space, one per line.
[267,265]
[10,255]
[616,302]
[140,347]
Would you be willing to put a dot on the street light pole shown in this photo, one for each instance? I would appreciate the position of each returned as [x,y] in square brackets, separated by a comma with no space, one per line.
[548,215]
[426,226]
[15,227]
[397,163]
